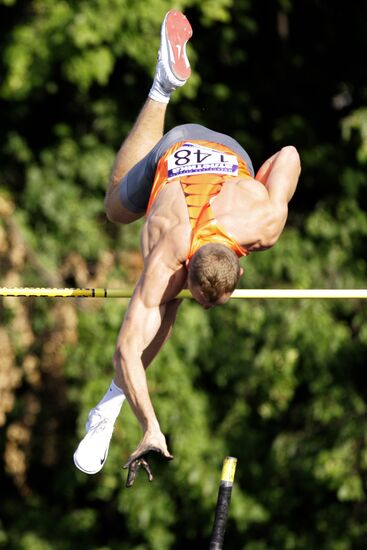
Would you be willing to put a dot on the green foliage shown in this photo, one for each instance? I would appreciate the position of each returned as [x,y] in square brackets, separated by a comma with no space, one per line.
[357,121]
[281,385]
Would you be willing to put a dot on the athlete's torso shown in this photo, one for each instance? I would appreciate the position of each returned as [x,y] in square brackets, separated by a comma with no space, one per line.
[202,193]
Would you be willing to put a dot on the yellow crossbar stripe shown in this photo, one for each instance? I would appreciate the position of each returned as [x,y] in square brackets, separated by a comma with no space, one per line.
[262,293]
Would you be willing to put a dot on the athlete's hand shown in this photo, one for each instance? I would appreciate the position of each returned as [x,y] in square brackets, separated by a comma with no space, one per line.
[151,443]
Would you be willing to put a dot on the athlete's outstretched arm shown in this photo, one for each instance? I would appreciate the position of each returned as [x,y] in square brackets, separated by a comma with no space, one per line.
[147,324]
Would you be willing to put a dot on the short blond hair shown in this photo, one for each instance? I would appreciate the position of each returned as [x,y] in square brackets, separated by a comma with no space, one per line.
[215,268]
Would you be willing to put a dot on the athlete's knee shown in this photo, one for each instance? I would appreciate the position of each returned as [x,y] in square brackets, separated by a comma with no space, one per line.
[108,207]
[116,212]
[111,208]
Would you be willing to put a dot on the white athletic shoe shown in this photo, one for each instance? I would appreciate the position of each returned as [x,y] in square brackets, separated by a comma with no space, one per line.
[173,67]
[92,451]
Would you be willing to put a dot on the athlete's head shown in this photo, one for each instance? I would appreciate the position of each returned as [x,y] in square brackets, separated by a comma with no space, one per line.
[213,274]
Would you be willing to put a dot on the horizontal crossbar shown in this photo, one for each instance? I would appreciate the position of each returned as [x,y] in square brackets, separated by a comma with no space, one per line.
[262,293]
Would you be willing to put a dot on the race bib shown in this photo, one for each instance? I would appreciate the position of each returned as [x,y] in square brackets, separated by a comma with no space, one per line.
[191,159]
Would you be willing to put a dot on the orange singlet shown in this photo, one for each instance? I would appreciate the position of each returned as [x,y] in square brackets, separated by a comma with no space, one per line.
[201,167]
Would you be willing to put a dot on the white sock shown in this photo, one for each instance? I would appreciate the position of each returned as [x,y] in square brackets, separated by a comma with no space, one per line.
[111,403]
[158,93]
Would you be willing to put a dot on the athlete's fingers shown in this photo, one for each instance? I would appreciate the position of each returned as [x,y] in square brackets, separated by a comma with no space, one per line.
[133,470]
[137,461]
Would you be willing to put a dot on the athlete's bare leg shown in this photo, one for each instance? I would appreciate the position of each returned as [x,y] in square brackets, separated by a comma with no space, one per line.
[172,71]
[145,134]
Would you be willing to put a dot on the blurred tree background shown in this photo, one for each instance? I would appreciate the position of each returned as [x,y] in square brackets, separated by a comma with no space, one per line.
[281,385]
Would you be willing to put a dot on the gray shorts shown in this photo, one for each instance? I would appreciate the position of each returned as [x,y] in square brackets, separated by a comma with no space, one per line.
[136,186]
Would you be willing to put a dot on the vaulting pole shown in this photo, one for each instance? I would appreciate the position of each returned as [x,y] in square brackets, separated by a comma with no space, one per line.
[223,501]
[260,293]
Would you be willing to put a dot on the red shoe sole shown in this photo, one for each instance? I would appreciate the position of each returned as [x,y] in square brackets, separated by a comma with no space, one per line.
[178,31]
